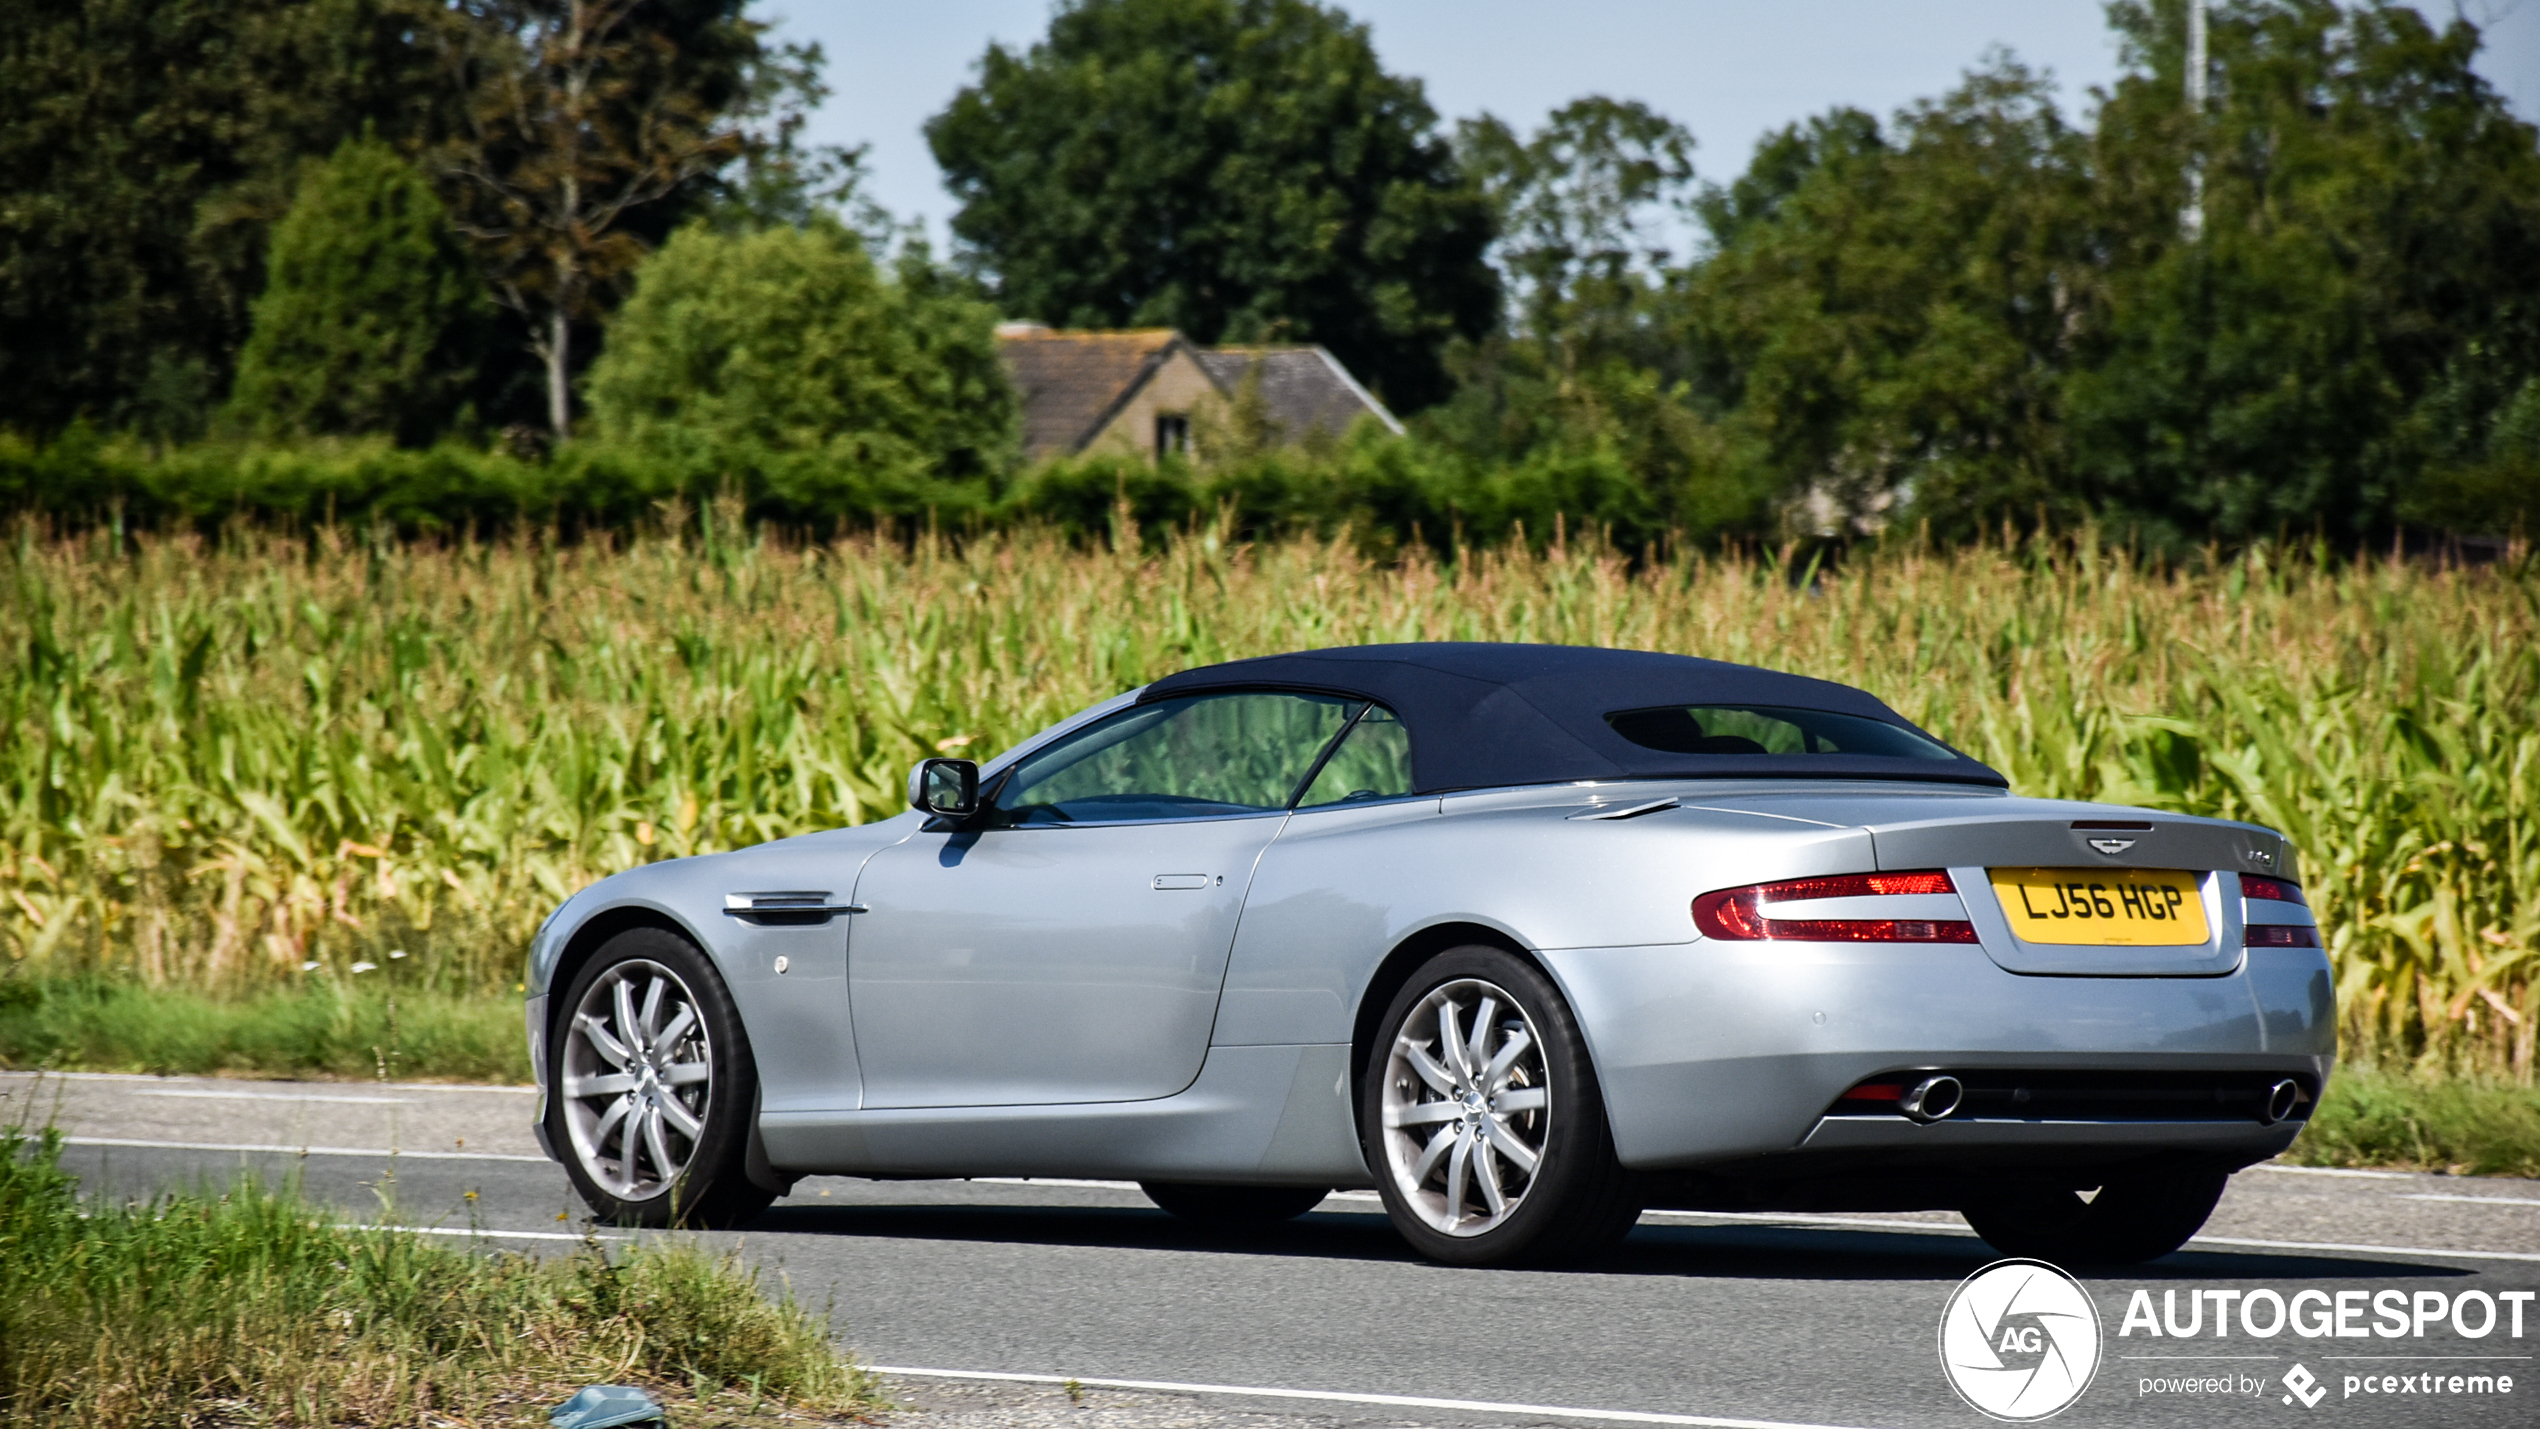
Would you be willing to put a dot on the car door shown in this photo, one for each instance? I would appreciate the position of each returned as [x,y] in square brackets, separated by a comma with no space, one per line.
[1069,944]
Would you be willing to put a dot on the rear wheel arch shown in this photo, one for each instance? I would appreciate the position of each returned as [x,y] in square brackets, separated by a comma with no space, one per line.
[1396,969]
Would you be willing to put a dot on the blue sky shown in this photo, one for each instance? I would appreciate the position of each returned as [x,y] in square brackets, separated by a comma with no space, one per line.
[1729,70]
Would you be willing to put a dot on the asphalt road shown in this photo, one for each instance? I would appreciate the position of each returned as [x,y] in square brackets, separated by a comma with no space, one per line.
[1826,1320]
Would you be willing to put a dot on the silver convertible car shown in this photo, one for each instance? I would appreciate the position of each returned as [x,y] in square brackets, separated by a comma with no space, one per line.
[1528,938]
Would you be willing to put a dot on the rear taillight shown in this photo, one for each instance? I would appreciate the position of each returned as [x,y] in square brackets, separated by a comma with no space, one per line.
[2273,890]
[1743,914]
[2276,935]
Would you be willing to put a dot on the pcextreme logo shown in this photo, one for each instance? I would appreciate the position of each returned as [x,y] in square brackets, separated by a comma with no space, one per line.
[2305,1386]
[2019,1340]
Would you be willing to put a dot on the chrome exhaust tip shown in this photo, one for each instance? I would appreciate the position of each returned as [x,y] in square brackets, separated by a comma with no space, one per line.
[1932,1098]
[2282,1099]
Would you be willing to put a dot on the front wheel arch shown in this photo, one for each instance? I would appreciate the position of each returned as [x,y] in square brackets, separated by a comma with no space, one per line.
[595,933]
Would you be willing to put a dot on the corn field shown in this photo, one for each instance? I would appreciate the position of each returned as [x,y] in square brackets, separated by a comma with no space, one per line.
[236,763]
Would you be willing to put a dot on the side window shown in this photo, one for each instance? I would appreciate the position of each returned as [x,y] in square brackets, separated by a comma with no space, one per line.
[1198,757]
[1374,762]
[1767,729]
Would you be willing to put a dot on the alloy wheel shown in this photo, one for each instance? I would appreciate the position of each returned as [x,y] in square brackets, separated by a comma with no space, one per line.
[637,1071]
[1467,1107]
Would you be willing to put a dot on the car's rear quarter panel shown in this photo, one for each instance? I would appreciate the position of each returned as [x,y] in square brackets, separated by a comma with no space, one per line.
[1713,1051]
[1341,888]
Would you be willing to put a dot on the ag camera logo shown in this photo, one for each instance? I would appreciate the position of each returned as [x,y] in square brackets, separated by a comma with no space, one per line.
[2019,1341]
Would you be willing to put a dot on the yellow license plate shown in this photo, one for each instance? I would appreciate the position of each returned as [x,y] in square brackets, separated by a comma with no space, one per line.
[2127,907]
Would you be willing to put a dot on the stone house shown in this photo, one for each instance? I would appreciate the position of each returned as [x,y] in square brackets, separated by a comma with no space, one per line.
[1146,391]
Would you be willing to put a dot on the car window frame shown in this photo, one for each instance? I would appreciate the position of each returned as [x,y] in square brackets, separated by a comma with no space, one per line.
[1306,785]
[1358,706]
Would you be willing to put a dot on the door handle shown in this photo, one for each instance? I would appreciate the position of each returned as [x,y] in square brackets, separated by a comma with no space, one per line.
[1165,882]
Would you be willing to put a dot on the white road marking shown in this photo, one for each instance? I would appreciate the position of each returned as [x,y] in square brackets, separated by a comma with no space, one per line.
[1811,1221]
[154,1077]
[2367,1249]
[504,1235]
[2472,1200]
[1052,1181]
[280,1097]
[297,1150]
[1324,1396]
[2336,1171]
[1802,1220]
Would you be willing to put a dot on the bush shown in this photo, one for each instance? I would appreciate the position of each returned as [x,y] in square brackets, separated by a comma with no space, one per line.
[785,360]
[371,311]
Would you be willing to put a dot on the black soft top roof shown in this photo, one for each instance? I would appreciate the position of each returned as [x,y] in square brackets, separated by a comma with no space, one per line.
[1484,716]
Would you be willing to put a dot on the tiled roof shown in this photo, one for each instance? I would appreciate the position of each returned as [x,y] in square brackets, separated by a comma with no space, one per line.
[1304,388]
[1070,381]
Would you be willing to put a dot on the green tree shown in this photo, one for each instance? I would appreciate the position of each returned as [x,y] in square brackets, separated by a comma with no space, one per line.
[1240,169]
[2363,309]
[145,148]
[1583,399]
[1886,320]
[371,311]
[787,357]
[1783,161]
[590,127]
[1582,208]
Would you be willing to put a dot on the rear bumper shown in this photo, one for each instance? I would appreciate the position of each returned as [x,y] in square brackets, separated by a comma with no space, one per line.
[1729,1057]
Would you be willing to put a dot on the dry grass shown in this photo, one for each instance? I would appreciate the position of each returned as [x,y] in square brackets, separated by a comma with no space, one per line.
[225,762]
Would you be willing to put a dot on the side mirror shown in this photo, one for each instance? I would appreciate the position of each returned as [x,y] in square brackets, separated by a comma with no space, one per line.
[946,788]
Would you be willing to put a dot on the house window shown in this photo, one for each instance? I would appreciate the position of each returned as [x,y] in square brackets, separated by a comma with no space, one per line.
[1172,434]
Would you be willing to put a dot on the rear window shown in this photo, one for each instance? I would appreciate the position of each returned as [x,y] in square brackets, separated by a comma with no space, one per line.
[1768,729]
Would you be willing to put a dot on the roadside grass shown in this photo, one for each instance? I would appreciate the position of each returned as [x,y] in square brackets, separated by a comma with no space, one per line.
[2419,1121]
[248,1306]
[324,1029]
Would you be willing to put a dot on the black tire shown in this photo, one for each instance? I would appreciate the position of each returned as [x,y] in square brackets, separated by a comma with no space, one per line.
[709,1185]
[1575,1200]
[2130,1220]
[1234,1207]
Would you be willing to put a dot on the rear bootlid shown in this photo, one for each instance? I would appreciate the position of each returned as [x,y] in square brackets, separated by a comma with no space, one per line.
[1972,834]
